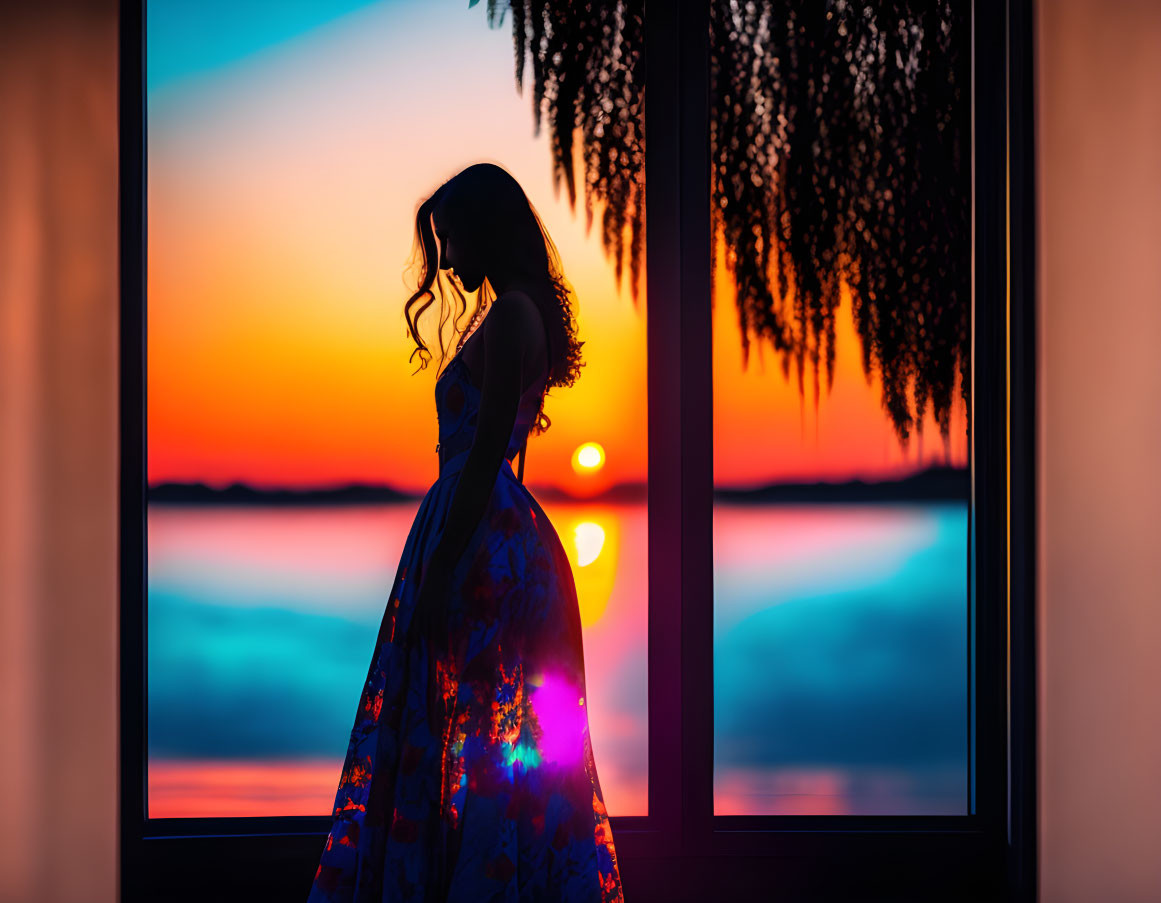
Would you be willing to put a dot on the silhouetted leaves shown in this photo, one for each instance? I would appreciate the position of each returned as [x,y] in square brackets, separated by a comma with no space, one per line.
[588,75]
[839,152]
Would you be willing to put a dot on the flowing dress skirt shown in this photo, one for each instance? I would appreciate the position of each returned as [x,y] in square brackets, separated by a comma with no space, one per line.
[469,775]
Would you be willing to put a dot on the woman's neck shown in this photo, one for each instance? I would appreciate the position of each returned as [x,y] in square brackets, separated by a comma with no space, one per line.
[519,282]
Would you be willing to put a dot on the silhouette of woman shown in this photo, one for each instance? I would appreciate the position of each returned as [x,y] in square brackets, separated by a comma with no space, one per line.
[469,774]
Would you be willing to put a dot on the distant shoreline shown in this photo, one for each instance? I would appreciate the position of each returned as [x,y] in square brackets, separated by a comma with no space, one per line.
[932,484]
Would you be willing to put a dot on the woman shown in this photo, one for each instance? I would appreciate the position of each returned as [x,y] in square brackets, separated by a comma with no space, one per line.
[469,775]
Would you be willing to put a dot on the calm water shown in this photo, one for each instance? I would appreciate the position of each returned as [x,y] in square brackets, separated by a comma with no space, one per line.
[840,653]
[840,659]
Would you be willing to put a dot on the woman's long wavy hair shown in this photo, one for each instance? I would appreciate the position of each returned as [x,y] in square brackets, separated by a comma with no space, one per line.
[486,203]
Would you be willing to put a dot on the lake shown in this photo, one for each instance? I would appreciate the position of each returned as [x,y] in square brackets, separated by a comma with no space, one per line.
[839,644]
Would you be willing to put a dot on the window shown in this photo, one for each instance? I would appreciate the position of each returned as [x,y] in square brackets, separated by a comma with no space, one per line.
[781,683]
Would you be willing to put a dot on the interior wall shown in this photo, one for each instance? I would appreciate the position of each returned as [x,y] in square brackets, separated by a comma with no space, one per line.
[1099,433]
[58,452]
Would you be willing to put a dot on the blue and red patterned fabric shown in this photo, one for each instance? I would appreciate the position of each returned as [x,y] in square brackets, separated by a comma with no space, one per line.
[469,775]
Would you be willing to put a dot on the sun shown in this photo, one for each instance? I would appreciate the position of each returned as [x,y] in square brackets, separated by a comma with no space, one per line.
[588,458]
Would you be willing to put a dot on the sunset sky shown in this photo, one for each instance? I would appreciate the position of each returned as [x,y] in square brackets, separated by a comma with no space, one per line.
[287,153]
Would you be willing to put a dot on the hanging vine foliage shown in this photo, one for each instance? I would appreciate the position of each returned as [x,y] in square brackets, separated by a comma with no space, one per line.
[588,74]
[839,153]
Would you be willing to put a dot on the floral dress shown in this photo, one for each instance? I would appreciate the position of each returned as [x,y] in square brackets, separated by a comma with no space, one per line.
[469,776]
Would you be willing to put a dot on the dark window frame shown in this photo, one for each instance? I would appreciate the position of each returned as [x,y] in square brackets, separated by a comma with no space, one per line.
[681,850]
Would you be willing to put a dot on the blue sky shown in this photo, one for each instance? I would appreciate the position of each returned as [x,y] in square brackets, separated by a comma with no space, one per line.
[190,37]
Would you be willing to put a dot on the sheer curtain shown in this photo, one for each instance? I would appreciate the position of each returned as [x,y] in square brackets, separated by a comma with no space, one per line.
[58,451]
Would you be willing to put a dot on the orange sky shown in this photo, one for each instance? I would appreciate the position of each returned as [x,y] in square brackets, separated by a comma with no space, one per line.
[282,191]
[764,431]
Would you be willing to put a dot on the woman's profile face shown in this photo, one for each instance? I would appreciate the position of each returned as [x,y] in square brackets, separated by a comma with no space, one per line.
[456,253]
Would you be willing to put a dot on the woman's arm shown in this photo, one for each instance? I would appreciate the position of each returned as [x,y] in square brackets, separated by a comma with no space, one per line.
[508,329]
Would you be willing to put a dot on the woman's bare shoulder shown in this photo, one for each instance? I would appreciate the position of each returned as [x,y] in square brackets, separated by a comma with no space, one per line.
[517,317]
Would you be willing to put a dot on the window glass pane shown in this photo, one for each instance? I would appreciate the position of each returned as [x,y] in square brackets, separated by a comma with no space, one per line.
[288,148]
[840,149]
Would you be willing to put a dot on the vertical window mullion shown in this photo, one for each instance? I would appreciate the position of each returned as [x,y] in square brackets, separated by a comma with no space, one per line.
[696,393]
[666,710]
[680,422]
